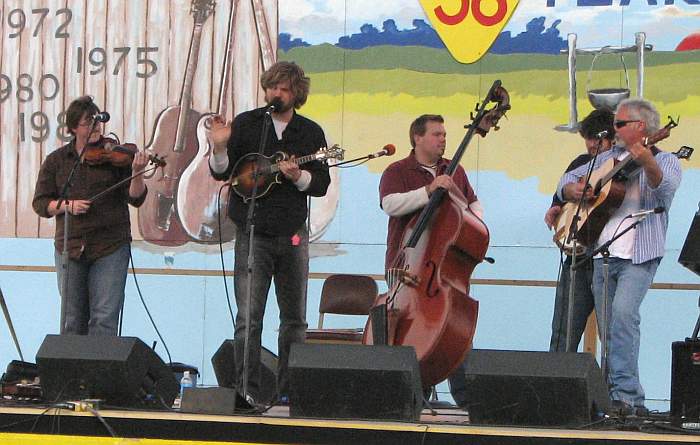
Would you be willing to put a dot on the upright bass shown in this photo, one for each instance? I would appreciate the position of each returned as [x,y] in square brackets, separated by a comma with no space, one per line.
[428,306]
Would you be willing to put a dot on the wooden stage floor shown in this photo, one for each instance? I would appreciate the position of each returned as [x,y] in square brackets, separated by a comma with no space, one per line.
[39,425]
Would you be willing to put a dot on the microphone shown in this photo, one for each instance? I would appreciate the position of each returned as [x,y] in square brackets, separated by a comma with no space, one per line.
[388,150]
[101,117]
[659,209]
[275,105]
[602,134]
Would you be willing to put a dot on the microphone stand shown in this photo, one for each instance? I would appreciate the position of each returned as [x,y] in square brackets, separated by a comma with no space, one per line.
[367,158]
[573,236]
[250,229]
[8,319]
[694,337]
[63,197]
[605,252]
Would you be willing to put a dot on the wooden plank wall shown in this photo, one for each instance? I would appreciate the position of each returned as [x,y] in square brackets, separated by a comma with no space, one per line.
[67,48]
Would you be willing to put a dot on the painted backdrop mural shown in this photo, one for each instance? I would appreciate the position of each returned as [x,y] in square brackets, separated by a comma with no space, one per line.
[374,67]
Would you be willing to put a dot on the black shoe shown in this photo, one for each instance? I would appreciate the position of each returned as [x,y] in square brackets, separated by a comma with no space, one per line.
[618,408]
[641,411]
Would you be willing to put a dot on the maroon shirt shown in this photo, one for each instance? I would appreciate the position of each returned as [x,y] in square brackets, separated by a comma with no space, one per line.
[406,175]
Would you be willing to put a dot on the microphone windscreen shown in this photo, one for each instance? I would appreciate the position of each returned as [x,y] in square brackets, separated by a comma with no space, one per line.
[277,103]
[102,117]
[390,149]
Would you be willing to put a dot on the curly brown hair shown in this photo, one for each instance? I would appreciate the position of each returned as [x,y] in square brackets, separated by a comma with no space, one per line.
[596,122]
[288,71]
[80,107]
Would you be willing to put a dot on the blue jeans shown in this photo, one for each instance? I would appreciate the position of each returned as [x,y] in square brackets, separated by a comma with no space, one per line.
[458,384]
[583,305]
[627,285]
[275,257]
[94,293]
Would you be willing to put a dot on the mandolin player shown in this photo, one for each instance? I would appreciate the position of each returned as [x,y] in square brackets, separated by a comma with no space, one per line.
[635,256]
[280,240]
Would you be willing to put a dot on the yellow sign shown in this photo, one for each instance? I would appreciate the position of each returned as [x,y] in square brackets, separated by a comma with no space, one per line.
[468,28]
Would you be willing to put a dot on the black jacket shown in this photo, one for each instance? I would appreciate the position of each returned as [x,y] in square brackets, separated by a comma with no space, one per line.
[283,210]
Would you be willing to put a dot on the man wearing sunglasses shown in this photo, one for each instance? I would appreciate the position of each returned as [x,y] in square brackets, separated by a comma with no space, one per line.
[635,256]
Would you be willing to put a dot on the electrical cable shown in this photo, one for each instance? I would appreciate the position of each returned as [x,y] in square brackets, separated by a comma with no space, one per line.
[148,312]
[221,255]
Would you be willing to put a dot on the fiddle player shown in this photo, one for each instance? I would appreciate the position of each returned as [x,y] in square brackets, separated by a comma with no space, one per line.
[635,256]
[99,232]
[281,239]
[591,127]
[405,188]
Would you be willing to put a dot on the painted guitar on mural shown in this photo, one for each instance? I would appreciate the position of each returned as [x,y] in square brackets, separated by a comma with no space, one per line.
[175,139]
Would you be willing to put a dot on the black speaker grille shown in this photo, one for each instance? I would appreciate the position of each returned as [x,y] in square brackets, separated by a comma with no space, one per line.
[690,253]
[685,380]
[354,382]
[224,363]
[121,370]
[533,388]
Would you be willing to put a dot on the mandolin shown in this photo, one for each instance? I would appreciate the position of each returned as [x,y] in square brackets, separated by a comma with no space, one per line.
[264,170]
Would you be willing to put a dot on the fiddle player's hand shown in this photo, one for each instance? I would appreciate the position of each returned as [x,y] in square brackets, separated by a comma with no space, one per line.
[140,161]
[290,169]
[551,215]
[219,133]
[442,181]
[78,206]
[574,190]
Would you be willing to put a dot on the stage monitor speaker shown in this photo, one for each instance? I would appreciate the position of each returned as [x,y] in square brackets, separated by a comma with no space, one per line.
[224,363]
[534,388]
[348,381]
[690,253]
[214,400]
[685,382]
[122,371]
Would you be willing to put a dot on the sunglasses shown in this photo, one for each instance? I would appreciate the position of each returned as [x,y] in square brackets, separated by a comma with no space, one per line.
[620,124]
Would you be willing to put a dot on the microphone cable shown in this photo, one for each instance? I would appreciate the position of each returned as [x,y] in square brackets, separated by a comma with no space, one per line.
[145,306]
[221,252]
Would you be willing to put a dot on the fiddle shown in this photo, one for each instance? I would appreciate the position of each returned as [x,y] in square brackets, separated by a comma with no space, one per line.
[109,151]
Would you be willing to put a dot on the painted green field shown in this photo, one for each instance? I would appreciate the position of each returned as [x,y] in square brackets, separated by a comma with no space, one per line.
[326,57]
[670,77]
[368,98]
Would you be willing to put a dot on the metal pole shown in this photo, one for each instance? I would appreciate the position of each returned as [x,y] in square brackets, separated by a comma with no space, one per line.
[573,112]
[605,322]
[9,324]
[639,40]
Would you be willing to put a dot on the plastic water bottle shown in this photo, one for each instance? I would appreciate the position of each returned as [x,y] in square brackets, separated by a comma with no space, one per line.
[185,382]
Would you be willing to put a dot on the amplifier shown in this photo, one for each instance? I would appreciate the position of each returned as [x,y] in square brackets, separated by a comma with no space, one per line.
[690,253]
[685,383]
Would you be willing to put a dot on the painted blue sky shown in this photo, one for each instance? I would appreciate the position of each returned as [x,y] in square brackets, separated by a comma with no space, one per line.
[319,21]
